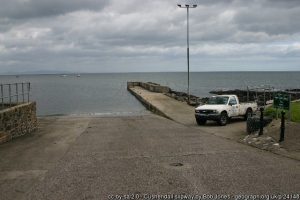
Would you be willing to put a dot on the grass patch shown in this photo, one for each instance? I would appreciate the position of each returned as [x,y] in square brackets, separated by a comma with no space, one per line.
[295,112]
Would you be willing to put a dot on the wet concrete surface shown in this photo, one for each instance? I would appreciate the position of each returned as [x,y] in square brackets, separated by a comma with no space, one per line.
[183,113]
[26,160]
[92,158]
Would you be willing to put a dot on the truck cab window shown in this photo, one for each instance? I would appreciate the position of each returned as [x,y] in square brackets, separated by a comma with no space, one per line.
[232,101]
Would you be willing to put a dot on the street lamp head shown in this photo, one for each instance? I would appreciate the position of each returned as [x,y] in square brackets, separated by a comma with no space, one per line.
[186,5]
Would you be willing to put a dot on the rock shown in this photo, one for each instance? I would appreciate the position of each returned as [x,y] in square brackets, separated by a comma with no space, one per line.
[268,138]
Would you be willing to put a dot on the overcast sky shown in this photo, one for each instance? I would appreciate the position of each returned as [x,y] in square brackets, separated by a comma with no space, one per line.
[148,35]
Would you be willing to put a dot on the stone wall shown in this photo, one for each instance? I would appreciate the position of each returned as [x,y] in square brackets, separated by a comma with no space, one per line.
[17,120]
[153,87]
[147,104]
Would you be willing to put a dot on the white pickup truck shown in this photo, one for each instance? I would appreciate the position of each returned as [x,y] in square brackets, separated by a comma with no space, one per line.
[223,107]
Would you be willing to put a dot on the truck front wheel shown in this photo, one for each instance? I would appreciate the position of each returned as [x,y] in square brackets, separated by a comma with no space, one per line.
[223,119]
[200,121]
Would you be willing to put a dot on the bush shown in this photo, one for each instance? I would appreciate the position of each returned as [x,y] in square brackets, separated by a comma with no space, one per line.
[296,111]
[271,112]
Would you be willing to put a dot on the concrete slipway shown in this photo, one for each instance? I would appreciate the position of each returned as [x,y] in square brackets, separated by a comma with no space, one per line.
[93,158]
[183,113]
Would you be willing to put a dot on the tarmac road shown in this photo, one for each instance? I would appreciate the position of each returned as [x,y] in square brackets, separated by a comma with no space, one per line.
[99,157]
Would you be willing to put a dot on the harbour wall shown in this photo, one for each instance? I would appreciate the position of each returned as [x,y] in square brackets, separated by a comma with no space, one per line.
[152,87]
[17,120]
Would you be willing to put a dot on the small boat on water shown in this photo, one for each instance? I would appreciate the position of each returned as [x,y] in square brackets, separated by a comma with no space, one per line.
[78,75]
[63,75]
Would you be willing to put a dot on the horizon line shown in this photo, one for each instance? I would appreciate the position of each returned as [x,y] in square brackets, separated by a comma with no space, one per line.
[67,73]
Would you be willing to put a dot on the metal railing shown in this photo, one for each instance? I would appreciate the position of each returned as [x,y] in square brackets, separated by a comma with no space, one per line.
[14,93]
[262,89]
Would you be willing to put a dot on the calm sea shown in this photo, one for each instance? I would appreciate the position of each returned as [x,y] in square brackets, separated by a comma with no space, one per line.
[106,94]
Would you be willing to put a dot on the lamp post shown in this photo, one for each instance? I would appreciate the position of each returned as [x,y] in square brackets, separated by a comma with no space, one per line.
[187,6]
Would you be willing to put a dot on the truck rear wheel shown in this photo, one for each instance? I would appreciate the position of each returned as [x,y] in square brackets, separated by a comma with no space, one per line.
[223,119]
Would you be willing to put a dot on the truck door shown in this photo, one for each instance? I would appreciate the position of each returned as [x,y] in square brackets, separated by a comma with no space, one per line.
[234,107]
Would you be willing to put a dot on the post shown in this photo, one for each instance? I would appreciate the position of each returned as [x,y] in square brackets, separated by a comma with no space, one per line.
[261,122]
[9,94]
[248,93]
[2,97]
[28,91]
[187,6]
[290,108]
[264,98]
[256,95]
[188,52]
[17,93]
[23,92]
[274,104]
[282,127]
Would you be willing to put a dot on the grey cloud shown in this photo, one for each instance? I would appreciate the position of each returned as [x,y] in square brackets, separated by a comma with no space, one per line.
[280,3]
[20,9]
[102,34]
[204,2]
[269,20]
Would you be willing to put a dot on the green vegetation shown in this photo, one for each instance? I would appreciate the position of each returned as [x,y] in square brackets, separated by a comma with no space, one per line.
[295,112]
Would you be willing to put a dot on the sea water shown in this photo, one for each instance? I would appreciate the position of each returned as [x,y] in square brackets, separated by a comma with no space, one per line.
[105,94]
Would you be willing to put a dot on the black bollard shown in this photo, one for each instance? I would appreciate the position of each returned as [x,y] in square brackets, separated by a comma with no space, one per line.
[261,122]
[282,127]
